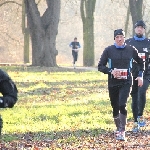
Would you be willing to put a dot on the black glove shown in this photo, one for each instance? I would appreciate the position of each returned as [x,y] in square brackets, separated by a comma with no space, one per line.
[8,102]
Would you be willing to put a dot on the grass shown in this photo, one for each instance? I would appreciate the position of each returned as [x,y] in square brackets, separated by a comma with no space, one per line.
[56,103]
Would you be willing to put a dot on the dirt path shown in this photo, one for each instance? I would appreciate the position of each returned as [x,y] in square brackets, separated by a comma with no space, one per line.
[80,68]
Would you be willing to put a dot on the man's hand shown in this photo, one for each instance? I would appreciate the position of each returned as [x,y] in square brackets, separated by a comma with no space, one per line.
[140,81]
[115,73]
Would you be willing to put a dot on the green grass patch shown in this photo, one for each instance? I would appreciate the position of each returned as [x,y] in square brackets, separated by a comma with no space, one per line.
[59,104]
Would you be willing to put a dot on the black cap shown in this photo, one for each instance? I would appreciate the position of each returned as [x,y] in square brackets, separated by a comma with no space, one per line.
[140,23]
[119,32]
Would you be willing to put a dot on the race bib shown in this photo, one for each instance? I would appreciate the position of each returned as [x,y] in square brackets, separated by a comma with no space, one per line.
[142,55]
[76,50]
[123,73]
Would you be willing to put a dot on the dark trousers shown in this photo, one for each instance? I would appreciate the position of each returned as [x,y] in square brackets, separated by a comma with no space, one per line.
[75,56]
[138,95]
[1,124]
[118,97]
[7,102]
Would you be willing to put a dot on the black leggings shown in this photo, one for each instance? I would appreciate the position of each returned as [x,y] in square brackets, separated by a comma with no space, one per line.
[75,56]
[138,95]
[118,97]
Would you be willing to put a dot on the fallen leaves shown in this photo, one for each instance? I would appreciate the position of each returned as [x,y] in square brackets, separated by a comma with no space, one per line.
[68,141]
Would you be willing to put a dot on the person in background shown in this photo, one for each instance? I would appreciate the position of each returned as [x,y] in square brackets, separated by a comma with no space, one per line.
[138,94]
[75,48]
[116,61]
[9,92]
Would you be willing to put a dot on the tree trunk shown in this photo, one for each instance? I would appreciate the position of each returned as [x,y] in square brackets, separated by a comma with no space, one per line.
[136,10]
[25,31]
[127,20]
[26,45]
[43,31]
[87,9]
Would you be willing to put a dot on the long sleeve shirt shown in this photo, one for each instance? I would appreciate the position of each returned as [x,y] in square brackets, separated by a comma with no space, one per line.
[120,58]
[143,47]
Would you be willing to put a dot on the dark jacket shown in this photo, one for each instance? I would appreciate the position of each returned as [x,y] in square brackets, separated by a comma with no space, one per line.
[120,58]
[75,45]
[143,48]
[7,86]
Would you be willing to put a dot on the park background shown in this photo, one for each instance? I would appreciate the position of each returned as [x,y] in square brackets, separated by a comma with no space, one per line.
[108,16]
[61,107]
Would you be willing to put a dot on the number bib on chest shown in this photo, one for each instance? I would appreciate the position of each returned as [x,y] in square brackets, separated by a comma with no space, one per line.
[123,73]
[142,55]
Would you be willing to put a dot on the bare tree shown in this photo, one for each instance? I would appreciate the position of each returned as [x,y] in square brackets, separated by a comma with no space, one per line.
[136,10]
[127,20]
[25,31]
[87,9]
[43,31]
[11,39]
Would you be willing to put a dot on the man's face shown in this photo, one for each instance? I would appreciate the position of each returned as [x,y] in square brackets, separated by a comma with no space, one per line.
[119,39]
[139,30]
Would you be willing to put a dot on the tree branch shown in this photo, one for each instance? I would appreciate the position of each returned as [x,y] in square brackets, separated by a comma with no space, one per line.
[10,2]
[82,10]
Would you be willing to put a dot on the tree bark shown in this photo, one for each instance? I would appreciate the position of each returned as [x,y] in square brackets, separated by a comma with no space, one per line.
[127,20]
[136,10]
[43,31]
[87,9]
[25,31]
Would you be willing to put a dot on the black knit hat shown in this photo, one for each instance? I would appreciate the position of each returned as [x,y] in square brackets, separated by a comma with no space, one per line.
[119,32]
[140,23]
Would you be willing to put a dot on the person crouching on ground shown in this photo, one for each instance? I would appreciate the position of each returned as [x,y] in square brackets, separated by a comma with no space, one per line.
[9,92]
